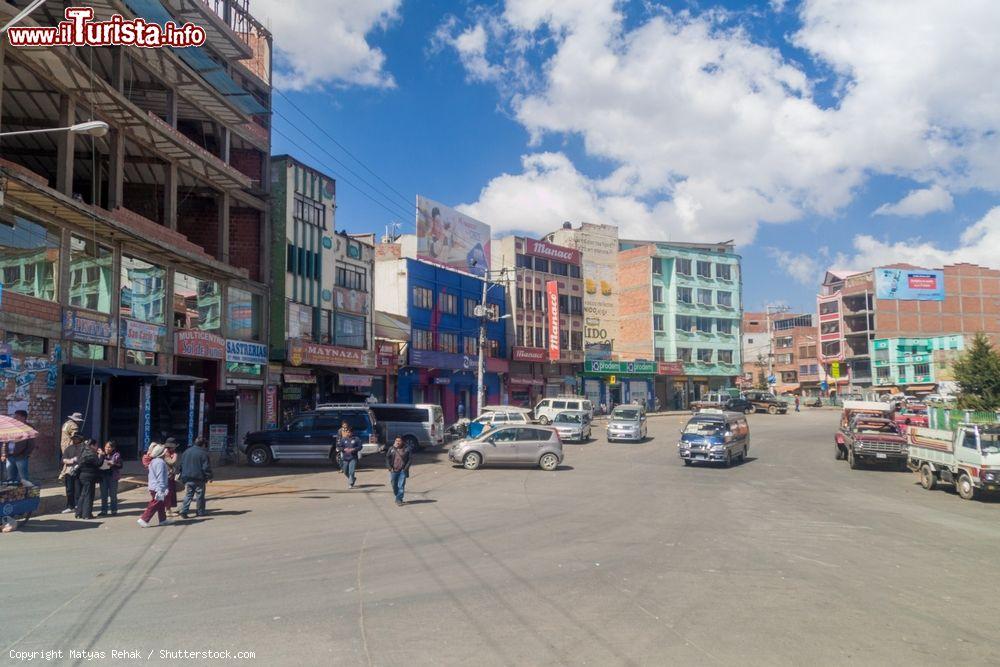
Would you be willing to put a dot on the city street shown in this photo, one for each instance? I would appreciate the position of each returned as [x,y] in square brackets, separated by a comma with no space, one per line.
[622,556]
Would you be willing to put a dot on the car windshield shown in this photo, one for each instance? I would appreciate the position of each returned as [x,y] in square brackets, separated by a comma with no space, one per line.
[869,427]
[704,428]
[625,415]
[989,441]
[567,418]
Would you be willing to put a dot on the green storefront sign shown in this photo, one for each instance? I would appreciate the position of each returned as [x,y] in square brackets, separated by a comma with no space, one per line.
[620,367]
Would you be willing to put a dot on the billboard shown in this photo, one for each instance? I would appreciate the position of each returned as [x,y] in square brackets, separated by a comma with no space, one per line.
[445,236]
[552,296]
[909,284]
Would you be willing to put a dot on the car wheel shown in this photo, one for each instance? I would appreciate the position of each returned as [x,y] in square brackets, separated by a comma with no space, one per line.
[743,455]
[472,461]
[772,409]
[927,478]
[543,420]
[729,459]
[838,451]
[687,462]
[548,462]
[411,442]
[259,455]
[852,461]
[964,486]
[749,410]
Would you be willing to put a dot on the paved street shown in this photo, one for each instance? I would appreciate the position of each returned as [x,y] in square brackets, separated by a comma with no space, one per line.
[623,556]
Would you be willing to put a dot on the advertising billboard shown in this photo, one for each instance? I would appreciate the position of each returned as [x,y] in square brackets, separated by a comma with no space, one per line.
[909,284]
[552,296]
[445,236]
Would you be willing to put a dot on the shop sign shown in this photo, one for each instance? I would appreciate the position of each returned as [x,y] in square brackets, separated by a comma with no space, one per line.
[271,407]
[347,380]
[670,368]
[622,367]
[87,327]
[387,354]
[554,252]
[143,336]
[529,354]
[442,380]
[242,352]
[217,436]
[447,360]
[291,392]
[350,301]
[200,344]
[552,296]
[526,380]
[306,352]
[244,382]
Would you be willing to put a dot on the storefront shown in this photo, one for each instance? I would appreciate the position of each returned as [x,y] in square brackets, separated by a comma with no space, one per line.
[449,380]
[669,385]
[340,373]
[611,383]
[246,368]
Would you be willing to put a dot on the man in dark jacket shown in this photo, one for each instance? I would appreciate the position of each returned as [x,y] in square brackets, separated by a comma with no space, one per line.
[397,460]
[196,472]
[88,474]
[349,448]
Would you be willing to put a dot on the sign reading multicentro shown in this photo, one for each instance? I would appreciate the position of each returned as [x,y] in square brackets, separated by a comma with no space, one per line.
[909,284]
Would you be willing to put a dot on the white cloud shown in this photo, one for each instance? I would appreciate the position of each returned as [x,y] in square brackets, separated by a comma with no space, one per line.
[709,134]
[802,268]
[470,45]
[326,41]
[977,245]
[919,202]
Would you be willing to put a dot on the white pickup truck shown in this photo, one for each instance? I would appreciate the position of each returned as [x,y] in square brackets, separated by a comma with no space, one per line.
[968,457]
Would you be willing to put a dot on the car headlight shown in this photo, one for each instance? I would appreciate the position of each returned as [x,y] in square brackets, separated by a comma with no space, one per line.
[991,476]
[718,446]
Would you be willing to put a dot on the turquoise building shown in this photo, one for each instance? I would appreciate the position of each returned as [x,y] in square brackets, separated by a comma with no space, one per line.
[915,364]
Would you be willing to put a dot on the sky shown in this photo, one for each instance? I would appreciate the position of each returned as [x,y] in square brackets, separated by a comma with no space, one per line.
[815,134]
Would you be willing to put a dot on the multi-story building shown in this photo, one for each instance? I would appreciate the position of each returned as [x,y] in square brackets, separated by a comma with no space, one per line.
[322,341]
[530,265]
[135,262]
[794,364]
[915,364]
[755,348]
[439,303]
[681,305]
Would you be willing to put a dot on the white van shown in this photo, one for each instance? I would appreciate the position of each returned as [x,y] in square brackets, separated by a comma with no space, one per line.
[548,408]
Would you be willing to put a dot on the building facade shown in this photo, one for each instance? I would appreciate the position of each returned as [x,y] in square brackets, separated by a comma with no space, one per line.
[915,364]
[755,348]
[795,365]
[135,263]
[530,266]
[441,359]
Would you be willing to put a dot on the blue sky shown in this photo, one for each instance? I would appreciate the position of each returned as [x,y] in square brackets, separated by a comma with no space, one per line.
[783,125]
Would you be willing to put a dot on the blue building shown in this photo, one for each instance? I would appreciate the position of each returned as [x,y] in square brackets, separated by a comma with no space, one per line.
[441,361]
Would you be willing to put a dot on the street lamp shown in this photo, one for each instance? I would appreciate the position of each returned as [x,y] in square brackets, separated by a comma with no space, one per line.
[93,128]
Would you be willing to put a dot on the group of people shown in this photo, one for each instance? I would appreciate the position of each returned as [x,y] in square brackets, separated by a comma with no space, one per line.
[193,469]
[397,460]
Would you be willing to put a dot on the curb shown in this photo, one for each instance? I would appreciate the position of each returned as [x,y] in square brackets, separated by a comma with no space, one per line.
[55,501]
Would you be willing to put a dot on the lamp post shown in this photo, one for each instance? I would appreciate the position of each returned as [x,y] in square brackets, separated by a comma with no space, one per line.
[93,128]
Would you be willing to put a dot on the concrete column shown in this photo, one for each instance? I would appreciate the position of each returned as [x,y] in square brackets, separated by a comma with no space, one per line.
[224,143]
[65,146]
[172,108]
[170,197]
[116,169]
[118,69]
[223,254]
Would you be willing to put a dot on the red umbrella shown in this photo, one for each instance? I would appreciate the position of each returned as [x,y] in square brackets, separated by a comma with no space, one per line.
[12,430]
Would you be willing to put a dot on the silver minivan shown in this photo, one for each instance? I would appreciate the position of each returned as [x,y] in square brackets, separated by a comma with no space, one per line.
[511,445]
[548,408]
[420,425]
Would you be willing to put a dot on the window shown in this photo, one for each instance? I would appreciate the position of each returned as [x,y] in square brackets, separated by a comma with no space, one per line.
[300,321]
[829,327]
[90,266]
[540,336]
[684,295]
[789,377]
[704,269]
[563,303]
[25,344]
[704,324]
[749,341]
[705,355]
[560,268]
[723,326]
[140,358]
[422,339]
[657,266]
[348,330]
[685,323]
[684,354]
[469,346]
[524,262]
[574,271]
[828,308]
[447,303]
[807,351]
[659,354]
[786,358]
[724,299]
[969,441]
[325,326]
[705,297]
[541,265]
[783,342]
[539,300]
[831,349]
[683,267]
[143,293]
[244,310]
[576,340]
[423,298]
[29,252]
[309,211]
[519,293]
[558,405]
[492,348]
[658,323]
[469,307]
[576,305]
[352,278]
[353,249]
[723,272]
[563,339]
[922,369]
[657,294]
[88,352]
[198,303]
[448,342]
[520,335]
[725,356]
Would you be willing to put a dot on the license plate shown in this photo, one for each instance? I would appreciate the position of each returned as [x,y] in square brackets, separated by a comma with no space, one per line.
[879,456]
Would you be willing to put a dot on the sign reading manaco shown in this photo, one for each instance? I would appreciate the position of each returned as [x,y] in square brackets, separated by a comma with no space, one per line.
[549,251]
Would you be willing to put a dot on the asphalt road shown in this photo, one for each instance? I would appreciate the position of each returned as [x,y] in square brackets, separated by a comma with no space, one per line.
[622,556]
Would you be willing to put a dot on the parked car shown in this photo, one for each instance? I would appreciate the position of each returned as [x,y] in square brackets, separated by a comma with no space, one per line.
[572,426]
[548,408]
[969,458]
[868,439]
[490,419]
[713,400]
[510,445]
[765,401]
[740,404]
[715,436]
[312,435]
[419,426]
[627,422]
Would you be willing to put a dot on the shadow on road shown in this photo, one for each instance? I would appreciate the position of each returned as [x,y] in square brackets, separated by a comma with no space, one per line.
[420,502]
[58,525]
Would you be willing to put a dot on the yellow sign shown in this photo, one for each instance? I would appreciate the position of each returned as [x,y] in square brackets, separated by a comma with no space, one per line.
[835,369]
[612,380]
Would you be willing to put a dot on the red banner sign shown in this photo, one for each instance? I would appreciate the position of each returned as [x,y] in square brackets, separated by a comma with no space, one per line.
[306,352]
[201,344]
[387,354]
[670,368]
[549,251]
[530,354]
[552,296]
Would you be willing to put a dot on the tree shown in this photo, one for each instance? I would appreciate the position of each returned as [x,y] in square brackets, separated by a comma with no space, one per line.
[977,372]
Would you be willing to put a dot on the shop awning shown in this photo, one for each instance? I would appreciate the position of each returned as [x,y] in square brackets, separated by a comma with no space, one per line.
[170,377]
[298,378]
[78,370]
[391,326]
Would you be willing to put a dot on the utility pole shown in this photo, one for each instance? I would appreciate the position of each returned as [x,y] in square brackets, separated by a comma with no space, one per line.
[768,310]
[485,315]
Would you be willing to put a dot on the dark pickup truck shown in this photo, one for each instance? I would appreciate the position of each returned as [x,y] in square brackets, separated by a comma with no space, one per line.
[868,439]
[764,401]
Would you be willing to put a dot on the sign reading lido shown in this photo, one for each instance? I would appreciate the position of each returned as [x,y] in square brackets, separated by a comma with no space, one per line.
[622,367]
[909,284]
[242,352]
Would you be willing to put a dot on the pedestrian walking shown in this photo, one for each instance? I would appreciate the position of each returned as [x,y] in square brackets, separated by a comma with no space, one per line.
[157,484]
[195,473]
[172,460]
[17,454]
[68,474]
[397,460]
[797,404]
[111,473]
[349,447]
[88,472]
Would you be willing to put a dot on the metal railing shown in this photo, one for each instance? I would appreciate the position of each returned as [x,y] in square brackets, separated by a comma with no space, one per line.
[948,419]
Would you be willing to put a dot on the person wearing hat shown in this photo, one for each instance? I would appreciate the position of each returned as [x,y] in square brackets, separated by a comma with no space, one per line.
[173,466]
[158,479]
[70,454]
[89,471]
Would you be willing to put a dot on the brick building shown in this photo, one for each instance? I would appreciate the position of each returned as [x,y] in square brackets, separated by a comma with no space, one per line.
[756,346]
[133,261]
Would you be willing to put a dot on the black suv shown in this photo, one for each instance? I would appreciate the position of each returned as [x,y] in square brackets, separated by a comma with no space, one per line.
[765,401]
[312,435]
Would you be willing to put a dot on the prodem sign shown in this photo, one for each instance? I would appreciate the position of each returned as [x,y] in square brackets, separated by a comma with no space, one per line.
[554,252]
